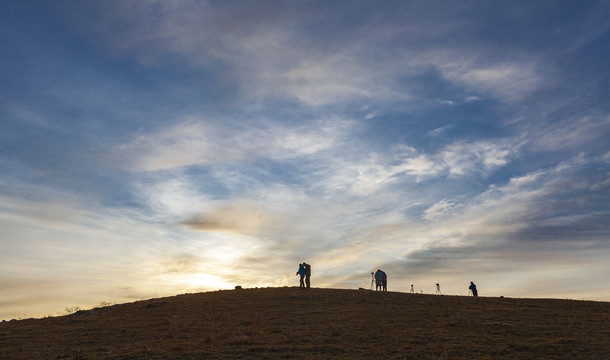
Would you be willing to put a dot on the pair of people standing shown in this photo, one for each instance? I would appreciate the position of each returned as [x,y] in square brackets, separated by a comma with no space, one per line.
[305,273]
[381,280]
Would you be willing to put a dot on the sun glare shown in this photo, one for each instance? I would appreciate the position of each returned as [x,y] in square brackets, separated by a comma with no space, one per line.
[201,281]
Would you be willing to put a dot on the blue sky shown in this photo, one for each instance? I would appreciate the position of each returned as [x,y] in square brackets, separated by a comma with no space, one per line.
[151,148]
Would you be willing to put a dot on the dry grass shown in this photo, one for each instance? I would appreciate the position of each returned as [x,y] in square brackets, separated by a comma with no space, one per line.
[289,323]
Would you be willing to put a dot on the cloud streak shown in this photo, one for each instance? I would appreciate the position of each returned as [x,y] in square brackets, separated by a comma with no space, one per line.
[196,142]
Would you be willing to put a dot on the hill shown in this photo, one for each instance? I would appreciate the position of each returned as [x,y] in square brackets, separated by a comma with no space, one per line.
[290,323]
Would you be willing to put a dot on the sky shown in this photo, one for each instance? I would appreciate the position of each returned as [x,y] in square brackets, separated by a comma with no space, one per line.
[154,148]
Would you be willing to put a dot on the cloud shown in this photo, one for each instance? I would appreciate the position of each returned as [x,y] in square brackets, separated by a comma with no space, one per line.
[186,263]
[32,296]
[457,159]
[287,58]
[570,133]
[508,80]
[242,219]
[281,61]
[514,223]
[374,172]
[198,142]
[439,131]
[84,256]
[448,102]
[439,209]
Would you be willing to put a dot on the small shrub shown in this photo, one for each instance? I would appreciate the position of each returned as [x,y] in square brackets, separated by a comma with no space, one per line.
[71,310]
[104,304]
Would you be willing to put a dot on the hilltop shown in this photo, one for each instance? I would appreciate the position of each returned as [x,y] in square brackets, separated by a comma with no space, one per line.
[291,323]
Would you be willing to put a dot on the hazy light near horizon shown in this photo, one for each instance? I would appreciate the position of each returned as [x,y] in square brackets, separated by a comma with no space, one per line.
[151,149]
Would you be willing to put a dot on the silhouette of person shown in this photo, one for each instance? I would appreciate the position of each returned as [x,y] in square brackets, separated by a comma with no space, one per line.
[301,272]
[307,275]
[473,288]
[379,279]
[384,281]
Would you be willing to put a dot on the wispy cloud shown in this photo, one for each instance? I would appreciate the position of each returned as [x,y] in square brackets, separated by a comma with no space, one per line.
[439,209]
[198,142]
[283,61]
[501,224]
[457,159]
[570,132]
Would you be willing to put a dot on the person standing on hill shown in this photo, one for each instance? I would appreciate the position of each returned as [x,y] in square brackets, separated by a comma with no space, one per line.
[379,280]
[301,272]
[307,274]
[384,281]
[473,288]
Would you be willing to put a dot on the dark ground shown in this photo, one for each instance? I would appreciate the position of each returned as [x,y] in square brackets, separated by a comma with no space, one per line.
[289,323]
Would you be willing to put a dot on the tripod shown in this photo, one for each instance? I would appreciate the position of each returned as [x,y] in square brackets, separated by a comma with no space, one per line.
[372,281]
[412,291]
[438,290]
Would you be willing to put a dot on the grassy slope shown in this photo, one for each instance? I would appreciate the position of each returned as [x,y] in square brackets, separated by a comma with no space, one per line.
[318,324]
